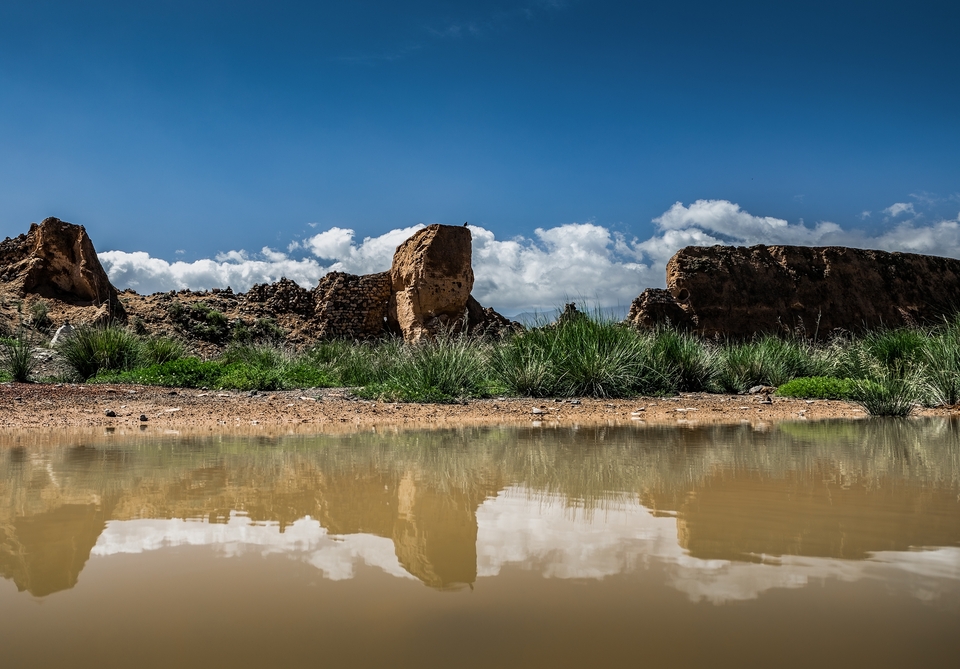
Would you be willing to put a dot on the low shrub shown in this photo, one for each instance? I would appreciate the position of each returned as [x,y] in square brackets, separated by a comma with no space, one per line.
[820,387]
[182,373]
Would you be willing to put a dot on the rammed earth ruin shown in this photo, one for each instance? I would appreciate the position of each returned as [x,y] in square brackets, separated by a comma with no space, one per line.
[426,292]
[717,291]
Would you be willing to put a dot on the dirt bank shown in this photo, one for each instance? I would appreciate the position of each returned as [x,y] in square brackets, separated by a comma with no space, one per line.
[66,406]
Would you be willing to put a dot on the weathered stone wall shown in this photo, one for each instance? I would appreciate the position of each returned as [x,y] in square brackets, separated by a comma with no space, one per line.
[348,306]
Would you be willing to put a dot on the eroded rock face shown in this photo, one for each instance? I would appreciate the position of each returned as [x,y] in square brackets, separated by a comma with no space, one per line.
[431,279]
[739,292]
[56,260]
[656,306]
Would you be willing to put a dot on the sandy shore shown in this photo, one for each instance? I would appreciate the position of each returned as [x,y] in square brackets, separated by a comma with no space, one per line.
[82,407]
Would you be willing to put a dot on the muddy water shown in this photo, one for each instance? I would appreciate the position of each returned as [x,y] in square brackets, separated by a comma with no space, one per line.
[811,544]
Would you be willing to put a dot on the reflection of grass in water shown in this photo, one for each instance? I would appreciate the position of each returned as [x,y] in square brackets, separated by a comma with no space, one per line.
[281,476]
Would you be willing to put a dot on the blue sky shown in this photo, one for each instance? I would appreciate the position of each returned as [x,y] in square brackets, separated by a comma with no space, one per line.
[184,130]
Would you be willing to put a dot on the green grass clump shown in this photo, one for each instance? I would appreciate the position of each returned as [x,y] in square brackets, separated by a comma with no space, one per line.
[445,370]
[88,350]
[582,356]
[182,373]
[686,362]
[941,366]
[158,350]
[16,357]
[820,387]
[887,394]
[767,361]
[895,349]
[40,316]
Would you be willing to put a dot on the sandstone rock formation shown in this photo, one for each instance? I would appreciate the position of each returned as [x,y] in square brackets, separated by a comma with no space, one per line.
[431,279]
[56,261]
[739,292]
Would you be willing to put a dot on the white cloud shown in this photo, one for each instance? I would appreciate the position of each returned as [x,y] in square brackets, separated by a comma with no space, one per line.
[373,254]
[898,208]
[146,274]
[579,261]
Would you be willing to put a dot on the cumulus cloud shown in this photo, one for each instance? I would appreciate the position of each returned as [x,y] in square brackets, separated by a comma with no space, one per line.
[898,208]
[237,269]
[579,261]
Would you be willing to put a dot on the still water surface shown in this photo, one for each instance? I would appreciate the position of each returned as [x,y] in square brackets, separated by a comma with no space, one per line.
[827,544]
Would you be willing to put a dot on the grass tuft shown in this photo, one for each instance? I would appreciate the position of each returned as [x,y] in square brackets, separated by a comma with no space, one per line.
[16,357]
[88,350]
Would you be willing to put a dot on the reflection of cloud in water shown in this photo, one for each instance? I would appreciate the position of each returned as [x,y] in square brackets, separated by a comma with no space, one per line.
[305,540]
[545,534]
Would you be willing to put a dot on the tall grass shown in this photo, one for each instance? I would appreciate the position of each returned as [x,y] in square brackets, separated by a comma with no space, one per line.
[767,361]
[941,365]
[88,350]
[686,362]
[886,393]
[887,371]
[582,356]
[16,357]
[448,369]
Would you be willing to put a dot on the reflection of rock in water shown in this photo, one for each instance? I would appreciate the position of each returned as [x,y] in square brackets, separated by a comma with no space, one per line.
[434,532]
[746,515]
[44,553]
[436,535]
[830,490]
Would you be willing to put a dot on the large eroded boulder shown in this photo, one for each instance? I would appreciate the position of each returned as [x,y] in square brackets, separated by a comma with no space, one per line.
[56,260]
[431,280]
[739,292]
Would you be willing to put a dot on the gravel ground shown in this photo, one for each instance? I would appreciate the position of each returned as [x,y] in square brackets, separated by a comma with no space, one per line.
[44,407]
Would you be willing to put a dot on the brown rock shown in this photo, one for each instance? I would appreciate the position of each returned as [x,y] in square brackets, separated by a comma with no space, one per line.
[484,321]
[431,280]
[657,306]
[56,260]
[739,292]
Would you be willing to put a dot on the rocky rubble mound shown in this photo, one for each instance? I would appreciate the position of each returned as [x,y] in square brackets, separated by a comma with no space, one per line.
[283,297]
[739,292]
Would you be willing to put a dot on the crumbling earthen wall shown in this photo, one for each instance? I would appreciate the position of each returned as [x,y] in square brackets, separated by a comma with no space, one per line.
[732,291]
[283,297]
[348,306]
